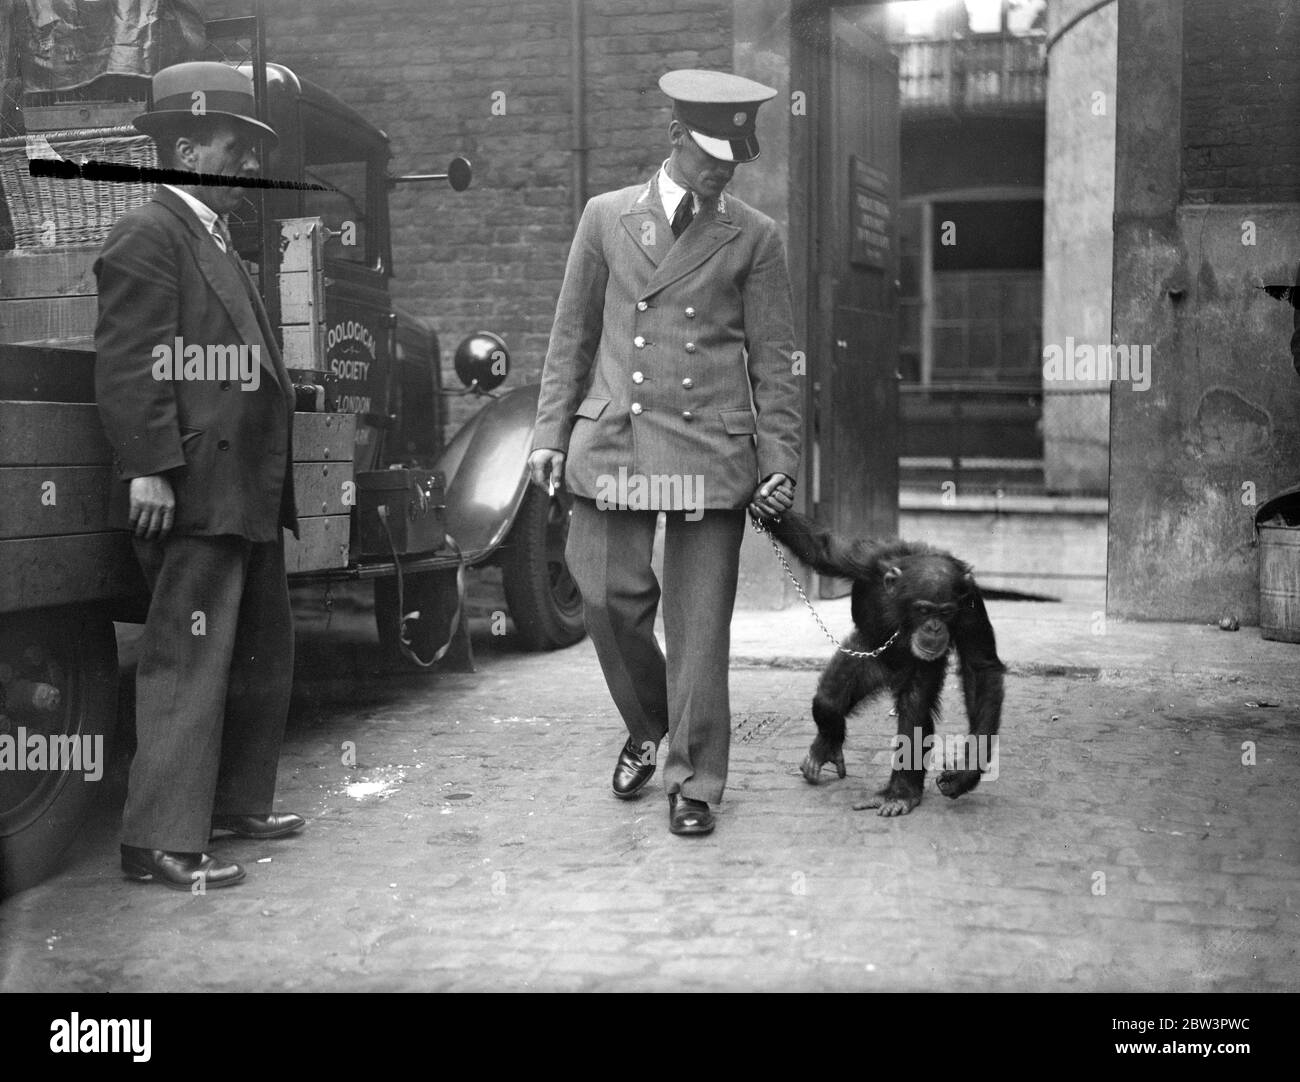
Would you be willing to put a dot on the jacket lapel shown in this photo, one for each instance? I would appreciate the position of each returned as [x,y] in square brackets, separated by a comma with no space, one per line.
[647,225]
[711,229]
[227,282]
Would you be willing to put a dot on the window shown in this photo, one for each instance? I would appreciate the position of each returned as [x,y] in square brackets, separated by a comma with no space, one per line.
[984,280]
[986,326]
[343,167]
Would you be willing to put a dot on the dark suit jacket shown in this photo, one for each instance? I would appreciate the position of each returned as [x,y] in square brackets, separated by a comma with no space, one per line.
[228,451]
[673,358]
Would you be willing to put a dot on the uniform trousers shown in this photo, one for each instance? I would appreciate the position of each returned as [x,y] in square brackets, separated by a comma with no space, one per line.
[212,688]
[685,695]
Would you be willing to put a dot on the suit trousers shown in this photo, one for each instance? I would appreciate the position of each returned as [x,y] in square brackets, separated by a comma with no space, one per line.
[683,696]
[212,688]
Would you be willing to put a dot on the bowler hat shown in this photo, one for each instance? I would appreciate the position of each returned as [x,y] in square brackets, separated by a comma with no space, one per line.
[202,88]
[718,109]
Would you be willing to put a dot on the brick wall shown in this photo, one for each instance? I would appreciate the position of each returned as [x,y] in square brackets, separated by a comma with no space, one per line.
[1241,101]
[426,71]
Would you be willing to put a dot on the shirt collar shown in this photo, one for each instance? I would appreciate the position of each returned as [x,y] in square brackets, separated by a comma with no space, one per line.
[670,192]
[206,215]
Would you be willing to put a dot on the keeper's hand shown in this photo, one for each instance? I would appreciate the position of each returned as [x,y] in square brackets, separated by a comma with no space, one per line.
[546,466]
[773,497]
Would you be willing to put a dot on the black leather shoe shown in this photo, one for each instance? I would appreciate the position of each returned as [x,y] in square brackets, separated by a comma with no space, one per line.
[179,871]
[275,825]
[630,773]
[687,816]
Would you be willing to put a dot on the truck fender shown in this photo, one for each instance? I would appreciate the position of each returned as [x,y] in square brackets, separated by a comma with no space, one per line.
[485,471]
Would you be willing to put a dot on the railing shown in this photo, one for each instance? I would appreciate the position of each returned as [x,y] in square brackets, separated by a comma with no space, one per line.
[970,424]
[980,74]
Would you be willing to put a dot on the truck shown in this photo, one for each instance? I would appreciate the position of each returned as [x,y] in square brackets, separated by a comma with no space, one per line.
[386,492]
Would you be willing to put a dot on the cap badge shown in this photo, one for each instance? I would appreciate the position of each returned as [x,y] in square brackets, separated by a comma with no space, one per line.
[739,119]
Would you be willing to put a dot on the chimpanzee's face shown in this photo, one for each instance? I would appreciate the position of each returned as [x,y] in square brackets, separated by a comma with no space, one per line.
[927,600]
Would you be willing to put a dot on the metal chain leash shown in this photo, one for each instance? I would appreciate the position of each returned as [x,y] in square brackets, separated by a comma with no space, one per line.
[761,529]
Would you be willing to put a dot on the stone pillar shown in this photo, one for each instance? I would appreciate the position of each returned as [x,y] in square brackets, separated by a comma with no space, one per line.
[1079,203]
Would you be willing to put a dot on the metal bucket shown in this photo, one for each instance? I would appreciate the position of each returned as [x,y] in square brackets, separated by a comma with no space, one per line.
[1278,524]
[1279,583]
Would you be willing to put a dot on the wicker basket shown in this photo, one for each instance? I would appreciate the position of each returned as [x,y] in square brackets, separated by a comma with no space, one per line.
[48,211]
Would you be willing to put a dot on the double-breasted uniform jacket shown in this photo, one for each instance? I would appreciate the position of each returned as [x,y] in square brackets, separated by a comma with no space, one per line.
[228,452]
[673,358]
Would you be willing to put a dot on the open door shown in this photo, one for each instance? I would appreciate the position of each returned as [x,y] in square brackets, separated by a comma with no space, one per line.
[853,299]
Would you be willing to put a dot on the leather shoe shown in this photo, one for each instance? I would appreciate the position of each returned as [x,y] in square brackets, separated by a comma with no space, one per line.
[630,772]
[275,825]
[179,871]
[688,816]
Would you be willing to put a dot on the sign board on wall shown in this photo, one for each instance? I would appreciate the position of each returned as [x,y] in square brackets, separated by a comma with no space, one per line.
[869,215]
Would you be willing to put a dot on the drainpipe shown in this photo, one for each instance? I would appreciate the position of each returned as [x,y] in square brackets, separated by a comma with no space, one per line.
[578,91]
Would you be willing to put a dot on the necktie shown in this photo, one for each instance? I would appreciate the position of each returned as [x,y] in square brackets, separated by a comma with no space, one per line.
[684,216]
[225,242]
[222,236]
[227,245]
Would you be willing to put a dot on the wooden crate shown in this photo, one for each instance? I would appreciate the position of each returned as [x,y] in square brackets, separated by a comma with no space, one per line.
[302,293]
[48,296]
[55,481]
[323,478]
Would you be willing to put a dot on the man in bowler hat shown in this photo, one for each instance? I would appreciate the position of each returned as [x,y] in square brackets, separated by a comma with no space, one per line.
[669,385]
[206,460]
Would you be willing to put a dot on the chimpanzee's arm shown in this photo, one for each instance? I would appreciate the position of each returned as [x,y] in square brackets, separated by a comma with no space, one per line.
[981,680]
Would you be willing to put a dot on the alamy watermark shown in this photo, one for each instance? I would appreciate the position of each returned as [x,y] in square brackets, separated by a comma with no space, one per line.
[1089,363]
[71,752]
[952,751]
[113,1035]
[193,363]
[651,492]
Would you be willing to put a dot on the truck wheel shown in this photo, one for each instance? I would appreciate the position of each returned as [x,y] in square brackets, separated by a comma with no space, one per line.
[58,678]
[541,594]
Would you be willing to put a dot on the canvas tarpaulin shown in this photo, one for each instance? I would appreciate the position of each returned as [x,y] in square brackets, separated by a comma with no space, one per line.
[65,44]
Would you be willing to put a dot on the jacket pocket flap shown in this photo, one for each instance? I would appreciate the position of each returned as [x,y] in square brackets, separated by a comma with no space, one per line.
[592,408]
[738,422]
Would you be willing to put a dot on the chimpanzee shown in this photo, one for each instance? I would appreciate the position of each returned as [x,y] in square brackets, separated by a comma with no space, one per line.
[915,602]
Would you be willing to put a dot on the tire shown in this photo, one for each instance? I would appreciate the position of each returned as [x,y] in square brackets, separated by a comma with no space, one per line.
[433,595]
[73,652]
[542,597]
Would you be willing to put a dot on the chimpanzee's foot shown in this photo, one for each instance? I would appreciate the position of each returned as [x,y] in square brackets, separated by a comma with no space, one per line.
[817,757]
[891,800]
[952,783]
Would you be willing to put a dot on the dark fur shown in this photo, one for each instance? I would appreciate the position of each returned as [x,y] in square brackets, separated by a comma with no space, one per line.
[931,598]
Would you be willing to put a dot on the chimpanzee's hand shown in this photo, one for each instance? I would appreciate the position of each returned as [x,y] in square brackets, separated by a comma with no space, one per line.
[773,497]
[153,506]
[546,465]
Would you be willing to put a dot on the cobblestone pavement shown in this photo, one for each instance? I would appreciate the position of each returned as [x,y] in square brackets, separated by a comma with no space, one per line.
[476,845]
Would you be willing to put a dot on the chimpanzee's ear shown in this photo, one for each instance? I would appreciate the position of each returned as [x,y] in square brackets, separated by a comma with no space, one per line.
[889,574]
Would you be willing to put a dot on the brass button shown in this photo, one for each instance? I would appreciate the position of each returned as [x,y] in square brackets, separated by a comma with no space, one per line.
[690,347]
[688,383]
[639,341]
[636,408]
[638,377]
[641,306]
[690,313]
[687,415]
